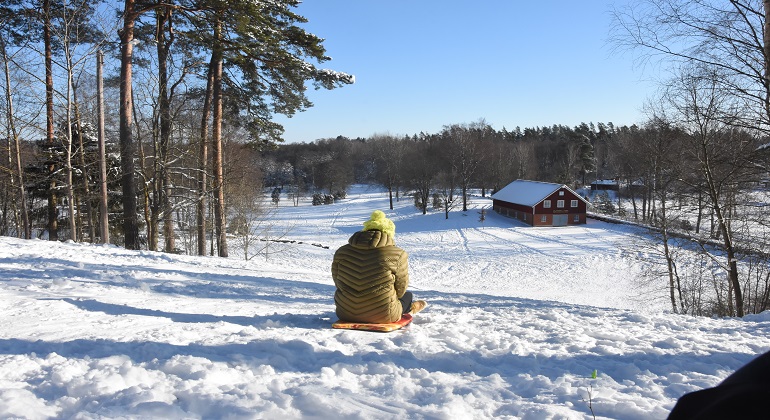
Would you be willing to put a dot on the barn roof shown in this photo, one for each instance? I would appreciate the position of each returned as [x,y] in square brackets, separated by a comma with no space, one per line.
[529,193]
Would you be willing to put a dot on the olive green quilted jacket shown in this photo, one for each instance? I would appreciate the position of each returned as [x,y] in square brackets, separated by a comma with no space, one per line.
[371,274]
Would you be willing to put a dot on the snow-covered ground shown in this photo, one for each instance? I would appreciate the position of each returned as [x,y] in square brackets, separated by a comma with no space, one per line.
[519,318]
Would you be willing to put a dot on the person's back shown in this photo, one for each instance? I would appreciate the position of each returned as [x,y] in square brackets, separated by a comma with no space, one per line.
[372,274]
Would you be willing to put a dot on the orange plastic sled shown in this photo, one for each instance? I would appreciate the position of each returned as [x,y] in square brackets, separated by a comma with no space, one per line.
[392,326]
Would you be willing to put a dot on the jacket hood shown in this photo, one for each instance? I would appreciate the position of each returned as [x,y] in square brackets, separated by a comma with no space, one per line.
[369,239]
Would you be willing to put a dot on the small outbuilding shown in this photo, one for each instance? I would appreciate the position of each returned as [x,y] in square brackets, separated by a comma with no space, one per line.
[540,203]
[605,185]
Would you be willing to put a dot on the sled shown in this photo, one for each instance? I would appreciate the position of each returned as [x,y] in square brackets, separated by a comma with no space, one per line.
[362,326]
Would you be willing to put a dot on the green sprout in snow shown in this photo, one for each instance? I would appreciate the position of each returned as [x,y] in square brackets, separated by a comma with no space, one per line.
[590,389]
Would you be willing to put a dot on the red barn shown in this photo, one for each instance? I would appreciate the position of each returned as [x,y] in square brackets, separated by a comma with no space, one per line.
[540,203]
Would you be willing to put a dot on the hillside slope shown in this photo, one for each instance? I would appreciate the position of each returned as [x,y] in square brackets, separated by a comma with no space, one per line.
[518,320]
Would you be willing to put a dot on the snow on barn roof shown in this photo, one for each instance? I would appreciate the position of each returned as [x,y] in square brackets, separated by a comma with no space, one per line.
[528,193]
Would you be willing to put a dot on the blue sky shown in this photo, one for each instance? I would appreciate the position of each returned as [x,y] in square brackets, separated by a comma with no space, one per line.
[424,64]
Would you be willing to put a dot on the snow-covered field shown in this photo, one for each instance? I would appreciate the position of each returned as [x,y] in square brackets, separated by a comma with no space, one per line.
[519,318]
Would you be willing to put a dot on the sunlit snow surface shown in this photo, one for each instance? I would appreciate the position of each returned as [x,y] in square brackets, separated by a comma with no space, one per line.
[519,318]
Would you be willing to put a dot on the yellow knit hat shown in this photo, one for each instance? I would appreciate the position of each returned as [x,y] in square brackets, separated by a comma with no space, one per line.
[378,221]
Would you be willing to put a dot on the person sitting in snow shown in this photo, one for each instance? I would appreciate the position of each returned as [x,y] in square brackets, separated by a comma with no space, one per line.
[371,274]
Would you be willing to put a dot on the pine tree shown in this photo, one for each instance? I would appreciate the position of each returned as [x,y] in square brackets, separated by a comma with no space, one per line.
[262,45]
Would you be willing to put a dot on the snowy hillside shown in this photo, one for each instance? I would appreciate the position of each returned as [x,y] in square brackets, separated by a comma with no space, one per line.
[519,318]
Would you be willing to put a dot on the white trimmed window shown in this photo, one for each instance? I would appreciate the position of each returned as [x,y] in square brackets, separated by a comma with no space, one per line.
[561,192]
[543,218]
[573,203]
[547,204]
[560,204]
[576,218]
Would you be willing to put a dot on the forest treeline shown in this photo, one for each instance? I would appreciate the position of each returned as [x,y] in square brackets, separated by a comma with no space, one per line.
[705,191]
[150,125]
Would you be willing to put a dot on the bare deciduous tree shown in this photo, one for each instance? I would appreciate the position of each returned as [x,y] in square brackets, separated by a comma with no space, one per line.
[389,155]
[729,37]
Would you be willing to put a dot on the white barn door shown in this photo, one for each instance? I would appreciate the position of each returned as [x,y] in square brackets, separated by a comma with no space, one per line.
[560,219]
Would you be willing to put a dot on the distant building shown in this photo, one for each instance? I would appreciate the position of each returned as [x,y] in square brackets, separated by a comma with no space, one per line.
[540,203]
[605,185]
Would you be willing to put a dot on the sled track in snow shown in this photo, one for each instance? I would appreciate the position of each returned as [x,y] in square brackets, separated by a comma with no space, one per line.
[557,239]
[517,247]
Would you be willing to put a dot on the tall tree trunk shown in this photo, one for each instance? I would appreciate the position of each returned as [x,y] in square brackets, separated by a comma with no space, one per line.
[127,152]
[53,211]
[726,234]
[163,16]
[89,211]
[766,51]
[8,209]
[148,191]
[152,240]
[216,134]
[672,283]
[203,161]
[103,205]
[69,140]
[84,215]
[25,229]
